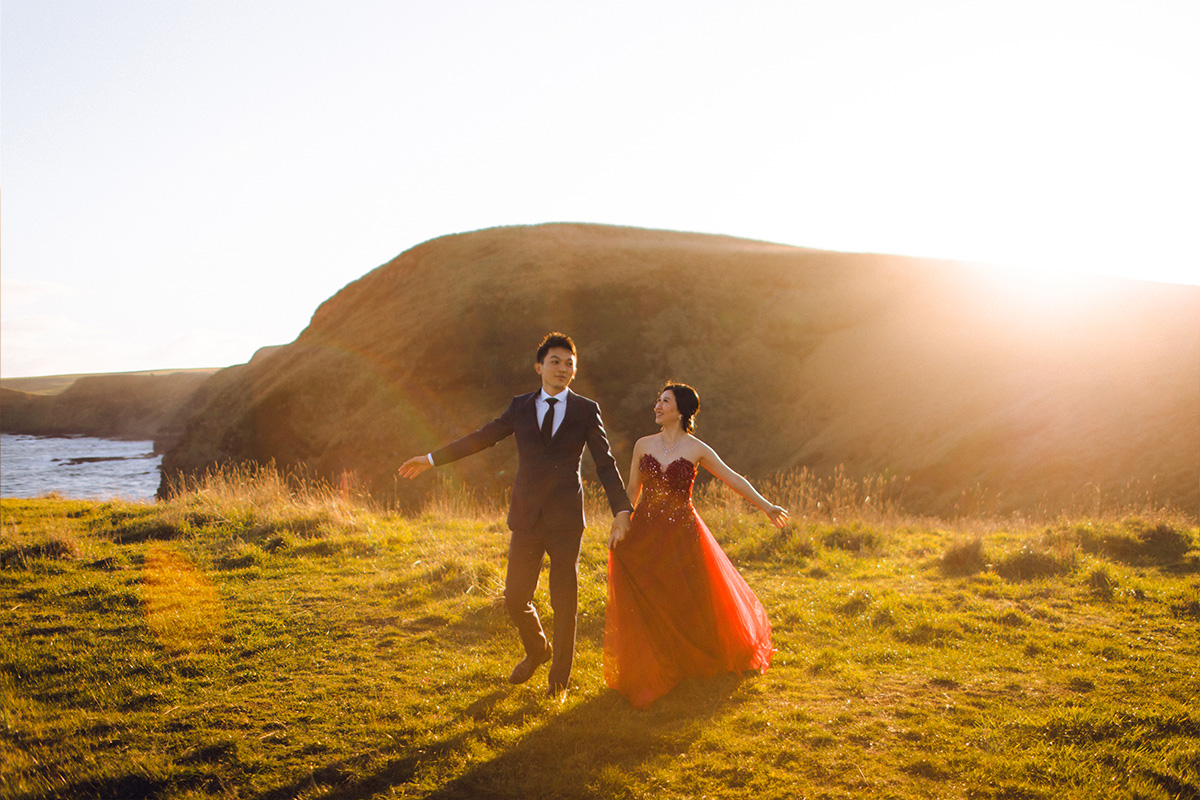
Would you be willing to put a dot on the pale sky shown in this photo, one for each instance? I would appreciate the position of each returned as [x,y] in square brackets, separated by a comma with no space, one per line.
[185,181]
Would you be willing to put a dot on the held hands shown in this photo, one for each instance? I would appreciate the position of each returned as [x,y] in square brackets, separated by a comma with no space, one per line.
[414,467]
[620,527]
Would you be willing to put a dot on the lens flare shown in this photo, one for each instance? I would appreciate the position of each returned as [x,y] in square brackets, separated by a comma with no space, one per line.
[182,606]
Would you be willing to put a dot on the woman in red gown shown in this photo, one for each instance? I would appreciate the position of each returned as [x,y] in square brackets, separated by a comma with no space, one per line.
[677,607]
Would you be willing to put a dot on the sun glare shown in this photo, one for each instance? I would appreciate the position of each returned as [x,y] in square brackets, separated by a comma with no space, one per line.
[1049,288]
[1057,297]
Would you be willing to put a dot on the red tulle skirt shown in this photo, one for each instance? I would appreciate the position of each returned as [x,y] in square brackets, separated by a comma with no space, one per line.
[677,607]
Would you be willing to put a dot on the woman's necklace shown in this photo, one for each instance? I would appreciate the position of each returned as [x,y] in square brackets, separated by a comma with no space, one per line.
[667,450]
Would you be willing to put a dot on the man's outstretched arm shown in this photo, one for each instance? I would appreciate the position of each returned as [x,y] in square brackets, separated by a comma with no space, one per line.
[481,439]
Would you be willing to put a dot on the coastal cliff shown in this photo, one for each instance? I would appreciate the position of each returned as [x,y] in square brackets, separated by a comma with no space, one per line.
[116,406]
[935,370]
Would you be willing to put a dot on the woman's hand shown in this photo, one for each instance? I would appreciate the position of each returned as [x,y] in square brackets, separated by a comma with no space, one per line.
[778,515]
[620,527]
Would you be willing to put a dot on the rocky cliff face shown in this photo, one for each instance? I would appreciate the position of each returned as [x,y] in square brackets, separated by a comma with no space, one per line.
[802,358]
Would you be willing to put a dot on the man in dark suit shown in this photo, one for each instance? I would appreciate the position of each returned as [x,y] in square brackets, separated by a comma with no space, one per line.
[551,427]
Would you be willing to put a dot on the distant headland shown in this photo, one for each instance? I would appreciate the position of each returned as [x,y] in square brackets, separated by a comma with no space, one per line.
[130,405]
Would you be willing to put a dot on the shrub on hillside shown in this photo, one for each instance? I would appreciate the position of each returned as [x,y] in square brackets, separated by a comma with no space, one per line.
[856,603]
[964,557]
[1030,563]
[855,538]
[791,545]
[1133,541]
[926,631]
[1101,583]
[54,547]
[1187,607]
[147,529]
[1164,543]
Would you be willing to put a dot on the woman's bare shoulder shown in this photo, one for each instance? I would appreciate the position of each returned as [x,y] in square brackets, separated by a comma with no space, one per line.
[704,453]
[644,442]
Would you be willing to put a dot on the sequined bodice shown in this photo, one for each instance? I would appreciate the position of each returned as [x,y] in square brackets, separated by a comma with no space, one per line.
[666,487]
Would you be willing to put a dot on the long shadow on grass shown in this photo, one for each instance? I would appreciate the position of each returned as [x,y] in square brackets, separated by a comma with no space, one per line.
[584,751]
[590,748]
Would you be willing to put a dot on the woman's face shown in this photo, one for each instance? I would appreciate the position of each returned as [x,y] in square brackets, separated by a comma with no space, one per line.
[665,409]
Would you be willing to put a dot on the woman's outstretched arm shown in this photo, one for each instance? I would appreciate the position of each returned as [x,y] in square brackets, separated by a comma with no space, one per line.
[713,463]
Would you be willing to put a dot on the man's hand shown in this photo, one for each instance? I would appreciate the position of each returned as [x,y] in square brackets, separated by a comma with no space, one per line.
[414,466]
[620,527]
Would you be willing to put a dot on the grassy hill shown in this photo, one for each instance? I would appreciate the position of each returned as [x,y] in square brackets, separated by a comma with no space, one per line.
[55,384]
[243,641]
[114,406]
[978,390]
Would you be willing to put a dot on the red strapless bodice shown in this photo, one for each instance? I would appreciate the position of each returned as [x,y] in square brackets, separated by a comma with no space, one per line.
[666,489]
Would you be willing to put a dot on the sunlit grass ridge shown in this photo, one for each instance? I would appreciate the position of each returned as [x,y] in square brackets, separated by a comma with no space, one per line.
[266,636]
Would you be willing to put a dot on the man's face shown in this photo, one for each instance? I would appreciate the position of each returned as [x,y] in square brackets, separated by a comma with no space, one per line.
[557,369]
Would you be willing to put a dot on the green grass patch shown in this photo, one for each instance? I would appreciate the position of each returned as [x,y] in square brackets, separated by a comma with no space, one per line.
[279,647]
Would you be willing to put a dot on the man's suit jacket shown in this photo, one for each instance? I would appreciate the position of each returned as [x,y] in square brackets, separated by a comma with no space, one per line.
[548,481]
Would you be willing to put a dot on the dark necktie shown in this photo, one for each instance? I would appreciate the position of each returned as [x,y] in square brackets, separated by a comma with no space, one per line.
[548,420]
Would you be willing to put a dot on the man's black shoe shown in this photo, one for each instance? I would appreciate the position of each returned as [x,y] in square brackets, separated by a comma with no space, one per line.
[524,669]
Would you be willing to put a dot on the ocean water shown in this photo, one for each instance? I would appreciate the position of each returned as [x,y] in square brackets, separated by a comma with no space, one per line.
[77,467]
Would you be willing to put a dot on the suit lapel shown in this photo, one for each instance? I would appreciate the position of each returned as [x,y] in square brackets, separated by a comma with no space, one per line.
[574,409]
[530,412]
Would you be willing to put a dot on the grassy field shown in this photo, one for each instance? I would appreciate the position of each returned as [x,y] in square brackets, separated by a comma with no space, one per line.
[244,640]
